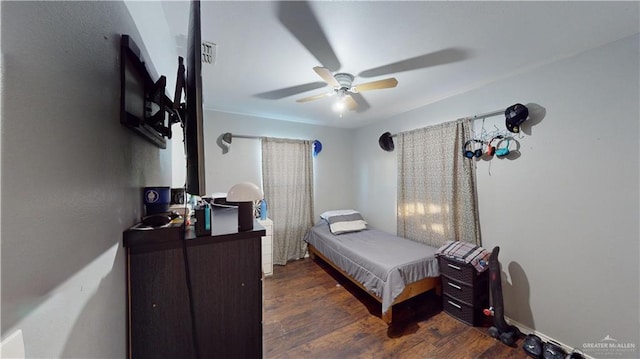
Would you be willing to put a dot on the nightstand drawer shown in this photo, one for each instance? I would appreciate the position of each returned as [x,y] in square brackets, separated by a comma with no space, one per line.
[461,311]
[267,246]
[458,271]
[458,290]
[268,225]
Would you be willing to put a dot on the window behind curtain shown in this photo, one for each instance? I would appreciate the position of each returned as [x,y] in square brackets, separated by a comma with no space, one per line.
[287,175]
[436,185]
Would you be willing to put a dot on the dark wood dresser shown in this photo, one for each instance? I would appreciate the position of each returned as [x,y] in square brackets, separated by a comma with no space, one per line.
[195,297]
[465,292]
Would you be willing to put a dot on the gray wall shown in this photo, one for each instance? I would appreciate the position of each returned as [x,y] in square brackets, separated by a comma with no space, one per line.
[565,210]
[243,162]
[71,177]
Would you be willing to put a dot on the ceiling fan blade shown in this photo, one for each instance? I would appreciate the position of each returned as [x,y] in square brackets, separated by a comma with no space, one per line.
[375,85]
[350,103]
[290,91]
[444,56]
[326,75]
[314,97]
[299,19]
[362,104]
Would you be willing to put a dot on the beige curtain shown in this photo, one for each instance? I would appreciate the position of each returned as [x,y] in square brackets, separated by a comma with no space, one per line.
[436,185]
[287,175]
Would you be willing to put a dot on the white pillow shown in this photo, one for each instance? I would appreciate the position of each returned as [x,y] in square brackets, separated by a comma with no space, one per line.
[345,221]
[338,212]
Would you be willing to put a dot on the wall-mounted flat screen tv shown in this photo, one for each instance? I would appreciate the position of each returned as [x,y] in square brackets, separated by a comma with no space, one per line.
[194,117]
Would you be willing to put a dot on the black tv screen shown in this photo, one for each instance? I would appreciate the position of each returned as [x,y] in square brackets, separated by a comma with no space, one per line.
[193,121]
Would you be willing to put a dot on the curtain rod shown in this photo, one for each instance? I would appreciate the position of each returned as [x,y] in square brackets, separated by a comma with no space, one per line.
[475,117]
[486,114]
[246,136]
[228,136]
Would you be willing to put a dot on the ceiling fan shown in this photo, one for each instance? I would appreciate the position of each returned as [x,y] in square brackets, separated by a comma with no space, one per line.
[300,20]
[343,87]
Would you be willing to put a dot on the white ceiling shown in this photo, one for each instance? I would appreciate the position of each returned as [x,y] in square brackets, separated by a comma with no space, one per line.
[266,50]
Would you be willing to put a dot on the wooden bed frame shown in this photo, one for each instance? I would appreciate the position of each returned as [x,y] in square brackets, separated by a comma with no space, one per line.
[410,291]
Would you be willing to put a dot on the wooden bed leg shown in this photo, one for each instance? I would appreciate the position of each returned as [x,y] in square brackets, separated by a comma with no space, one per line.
[386,317]
[439,290]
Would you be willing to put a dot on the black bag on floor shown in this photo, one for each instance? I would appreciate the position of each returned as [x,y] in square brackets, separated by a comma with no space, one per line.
[553,351]
[532,345]
[575,355]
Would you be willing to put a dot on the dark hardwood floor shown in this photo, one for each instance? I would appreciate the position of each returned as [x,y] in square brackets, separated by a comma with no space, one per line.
[311,311]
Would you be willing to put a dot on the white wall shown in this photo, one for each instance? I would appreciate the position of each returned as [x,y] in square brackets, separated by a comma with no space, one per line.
[72,177]
[243,162]
[565,211]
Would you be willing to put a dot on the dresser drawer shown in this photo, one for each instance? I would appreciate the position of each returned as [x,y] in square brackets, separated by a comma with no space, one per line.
[465,313]
[458,271]
[458,290]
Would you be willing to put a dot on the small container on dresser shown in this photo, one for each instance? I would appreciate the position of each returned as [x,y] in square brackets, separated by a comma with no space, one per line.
[267,247]
[465,291]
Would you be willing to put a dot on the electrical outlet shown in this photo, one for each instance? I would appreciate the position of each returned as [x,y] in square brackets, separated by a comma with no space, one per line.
[209,50]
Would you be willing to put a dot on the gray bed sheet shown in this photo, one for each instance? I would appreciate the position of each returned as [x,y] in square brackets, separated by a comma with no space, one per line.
[382,262]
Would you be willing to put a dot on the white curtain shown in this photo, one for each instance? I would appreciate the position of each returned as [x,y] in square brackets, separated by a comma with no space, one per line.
[287,175]
[436,185]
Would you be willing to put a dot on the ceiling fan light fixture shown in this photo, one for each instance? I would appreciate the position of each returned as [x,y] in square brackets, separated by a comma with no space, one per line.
[343,88]
[339,105]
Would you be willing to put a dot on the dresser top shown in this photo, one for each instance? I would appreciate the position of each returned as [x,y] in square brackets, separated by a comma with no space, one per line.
[224,225]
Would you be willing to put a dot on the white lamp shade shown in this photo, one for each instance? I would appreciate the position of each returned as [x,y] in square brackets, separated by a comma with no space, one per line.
[244,192]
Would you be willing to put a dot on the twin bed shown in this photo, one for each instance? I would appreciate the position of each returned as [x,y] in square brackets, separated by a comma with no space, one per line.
[390,268]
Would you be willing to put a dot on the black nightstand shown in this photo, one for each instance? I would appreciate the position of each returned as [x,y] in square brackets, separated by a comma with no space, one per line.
[465,292]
